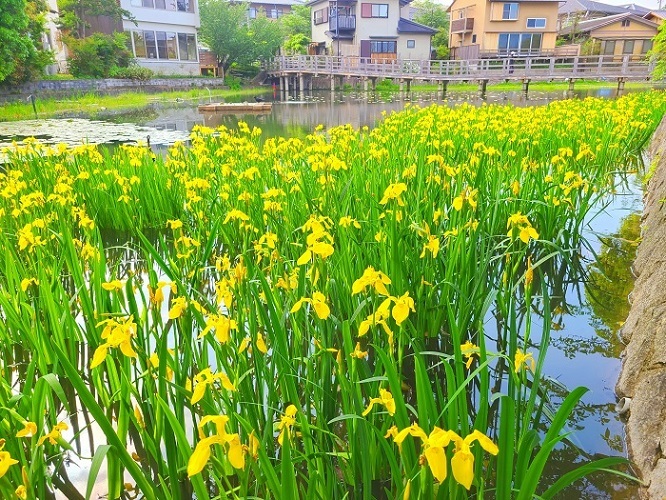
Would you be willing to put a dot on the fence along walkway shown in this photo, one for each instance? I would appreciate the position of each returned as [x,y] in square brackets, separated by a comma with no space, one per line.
[519,68]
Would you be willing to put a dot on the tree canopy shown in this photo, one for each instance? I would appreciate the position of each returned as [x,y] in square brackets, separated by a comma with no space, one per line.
[233,37]
[434,15]
[16,45]
[658,53]
[297,29]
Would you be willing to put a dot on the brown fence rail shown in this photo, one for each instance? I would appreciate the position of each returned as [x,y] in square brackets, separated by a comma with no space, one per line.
[531,68]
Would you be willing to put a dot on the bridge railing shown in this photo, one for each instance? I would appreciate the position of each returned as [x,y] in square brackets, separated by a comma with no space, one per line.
[508,67]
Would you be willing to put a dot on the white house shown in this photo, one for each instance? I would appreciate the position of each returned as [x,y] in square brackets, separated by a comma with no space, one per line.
[164,38]
[379,30]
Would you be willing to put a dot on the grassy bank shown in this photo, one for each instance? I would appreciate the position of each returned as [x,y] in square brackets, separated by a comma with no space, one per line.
[95,105]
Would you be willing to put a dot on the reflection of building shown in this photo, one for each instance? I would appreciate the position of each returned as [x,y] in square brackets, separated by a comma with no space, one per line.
[488,28]
[379,31]
[164,35]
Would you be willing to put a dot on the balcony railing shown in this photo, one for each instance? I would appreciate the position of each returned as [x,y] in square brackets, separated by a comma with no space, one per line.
[342,23]
[462,25]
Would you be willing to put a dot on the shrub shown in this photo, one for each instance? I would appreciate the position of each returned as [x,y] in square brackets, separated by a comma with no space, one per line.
[96,55]
[132,72]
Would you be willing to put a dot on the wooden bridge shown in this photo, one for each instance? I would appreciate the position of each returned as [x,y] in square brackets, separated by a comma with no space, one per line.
[298,71]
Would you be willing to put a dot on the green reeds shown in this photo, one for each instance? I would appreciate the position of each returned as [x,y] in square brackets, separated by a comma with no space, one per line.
[345,315]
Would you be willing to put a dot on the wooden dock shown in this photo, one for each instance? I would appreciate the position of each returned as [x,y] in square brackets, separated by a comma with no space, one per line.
[236,107]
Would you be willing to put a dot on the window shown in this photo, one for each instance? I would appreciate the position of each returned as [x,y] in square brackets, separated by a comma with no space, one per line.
[139,44]
[625,23]
[252,12]
[381,47]
[647,46]
[171,46]
[628,47]
[275,13]
[473,38]
[374,10]
[536,22]
[160,4]
[187,47]
[510,11]
[520,43]
[321,16]
[609,47]
[148,3]
[411,44]
[151,46]
[185,5]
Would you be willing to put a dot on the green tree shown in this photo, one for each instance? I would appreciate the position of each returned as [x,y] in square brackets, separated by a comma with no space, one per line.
[74,15]
[658,53]
[16,45]
[434,15]
[297,29]
[235,38]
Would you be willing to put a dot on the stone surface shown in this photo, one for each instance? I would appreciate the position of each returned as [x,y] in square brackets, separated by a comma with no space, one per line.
[643,376]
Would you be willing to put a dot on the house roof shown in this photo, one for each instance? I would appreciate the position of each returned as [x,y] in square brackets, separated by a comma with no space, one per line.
[593,24]
[571,6]
[276,2]
[407,26]
[638,9]
[656,13]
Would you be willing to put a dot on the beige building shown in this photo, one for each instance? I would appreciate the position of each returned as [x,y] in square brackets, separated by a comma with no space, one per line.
[376,30]
[488,28]
[618,35]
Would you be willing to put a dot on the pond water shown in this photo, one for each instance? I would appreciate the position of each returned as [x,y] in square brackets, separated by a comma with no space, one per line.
[585,345]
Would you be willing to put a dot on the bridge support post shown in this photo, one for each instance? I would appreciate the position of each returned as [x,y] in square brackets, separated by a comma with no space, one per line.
[571,84]
[365,84]
[445,84]
[409,85]
[620,84]
[332,83]
[483,84]
[373,80]
[301,85]
[526,85]
[401,84]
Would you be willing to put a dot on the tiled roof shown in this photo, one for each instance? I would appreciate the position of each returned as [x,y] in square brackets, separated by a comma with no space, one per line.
[592,24]
[407,26]
[591,6]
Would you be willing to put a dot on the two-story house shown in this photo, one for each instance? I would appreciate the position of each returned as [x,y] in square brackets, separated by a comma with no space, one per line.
[378,30]
[491,28]
[163,35]
[618,35]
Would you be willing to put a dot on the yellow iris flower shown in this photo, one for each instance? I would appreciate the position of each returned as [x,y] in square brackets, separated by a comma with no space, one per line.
[385,399]
[462,462]
[201,455]
[318,302]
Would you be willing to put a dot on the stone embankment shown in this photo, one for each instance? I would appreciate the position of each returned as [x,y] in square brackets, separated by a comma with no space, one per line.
[642,383]
[53,88]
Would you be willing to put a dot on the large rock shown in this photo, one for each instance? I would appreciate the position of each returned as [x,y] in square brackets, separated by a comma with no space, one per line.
[643,376]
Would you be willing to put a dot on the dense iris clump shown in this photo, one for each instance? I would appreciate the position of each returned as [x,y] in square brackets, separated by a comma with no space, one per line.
[347,314]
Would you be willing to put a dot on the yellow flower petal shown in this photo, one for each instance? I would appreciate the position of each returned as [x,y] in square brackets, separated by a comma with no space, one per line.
[437,462]
[462,466]
[99,356]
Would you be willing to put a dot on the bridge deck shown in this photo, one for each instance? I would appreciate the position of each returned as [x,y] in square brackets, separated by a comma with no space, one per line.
[525,68]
